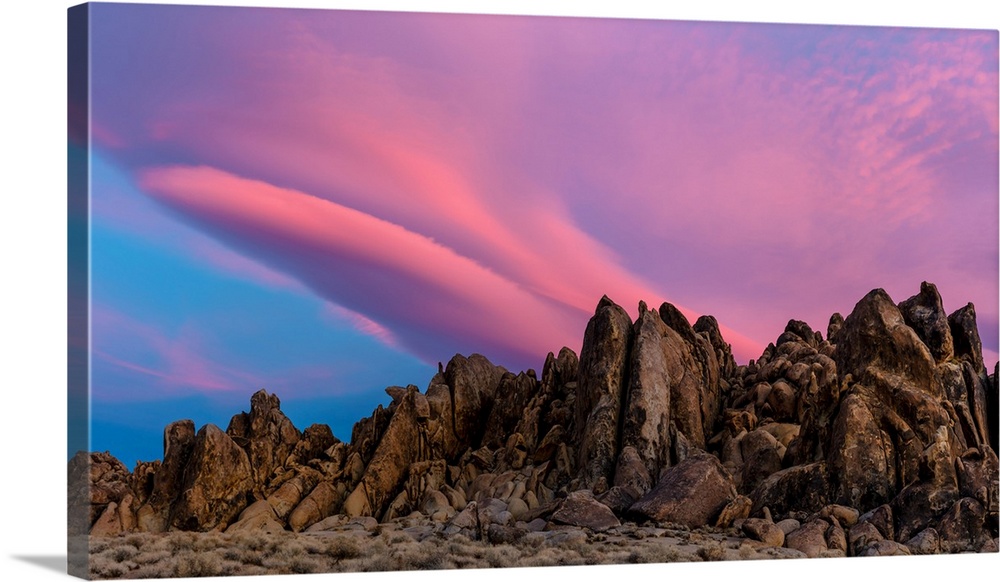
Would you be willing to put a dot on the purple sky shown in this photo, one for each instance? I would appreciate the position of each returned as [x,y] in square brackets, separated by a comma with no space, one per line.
[324,203]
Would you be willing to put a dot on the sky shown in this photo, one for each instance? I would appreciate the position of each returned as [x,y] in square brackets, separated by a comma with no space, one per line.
[326,203]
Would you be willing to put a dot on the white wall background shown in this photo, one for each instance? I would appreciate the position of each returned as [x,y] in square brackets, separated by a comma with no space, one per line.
[33,279]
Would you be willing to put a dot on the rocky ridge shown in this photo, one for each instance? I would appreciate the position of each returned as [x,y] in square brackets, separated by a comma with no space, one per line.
[878,439]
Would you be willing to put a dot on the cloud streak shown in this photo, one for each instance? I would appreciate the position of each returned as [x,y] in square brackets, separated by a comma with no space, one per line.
[756,172]
[440,302]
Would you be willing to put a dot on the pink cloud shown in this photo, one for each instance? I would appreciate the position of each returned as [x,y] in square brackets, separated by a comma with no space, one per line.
[718,169]
[345,255]
[363,324]
[434,300]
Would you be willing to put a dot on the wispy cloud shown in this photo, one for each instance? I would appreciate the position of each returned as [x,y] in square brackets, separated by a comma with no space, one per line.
[175,361]
[757,172]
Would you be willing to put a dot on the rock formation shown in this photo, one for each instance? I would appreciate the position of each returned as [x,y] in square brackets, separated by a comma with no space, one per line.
[879,439]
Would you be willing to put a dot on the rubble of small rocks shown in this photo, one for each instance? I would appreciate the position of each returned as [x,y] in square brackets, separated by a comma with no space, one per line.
[879,439]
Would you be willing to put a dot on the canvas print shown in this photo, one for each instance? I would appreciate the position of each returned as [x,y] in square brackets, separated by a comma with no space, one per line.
[375,291]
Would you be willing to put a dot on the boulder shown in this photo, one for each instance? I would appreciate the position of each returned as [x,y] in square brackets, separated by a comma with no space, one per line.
[692,493]
[315,441]
[920,505]
[885,548]
[861,536]
[799,488]
[926,542]
[881,518]
[761,456]
[258,517]
[810,539]
[217,480]
[763,531]
[963,526]
[322,501]
[582,510]
[288,496]
[738,508]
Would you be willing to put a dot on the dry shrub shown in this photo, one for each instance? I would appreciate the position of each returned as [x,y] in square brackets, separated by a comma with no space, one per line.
[545,557]
[378,562]
[103,567]
[305,565]
[747,552]
[178,541]
[712,552]
[342,548]
[155,557]
[122,553]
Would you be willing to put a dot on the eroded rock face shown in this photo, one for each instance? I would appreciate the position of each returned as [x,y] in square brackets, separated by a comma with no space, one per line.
[873,441]
[603,370]
[267,435]
[646,422]
[402,444]
[925,314]
[217,482]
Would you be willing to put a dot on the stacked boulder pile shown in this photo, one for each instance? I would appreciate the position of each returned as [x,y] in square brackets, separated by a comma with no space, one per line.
[878,439]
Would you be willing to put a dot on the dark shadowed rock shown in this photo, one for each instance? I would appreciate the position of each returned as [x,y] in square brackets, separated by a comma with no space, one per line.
[267,435]
[801,332]
[800,488]
[548,406]
[962,527]
[861,536]
[918,506]
[881,518]
[691,493]
[965,335]
[473,382]
[582,510]
[707,326]
[631,473]
[618,498]
[178,442]
[316,439]
[217,481]
[513,394]
[924,312]
[761,456]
